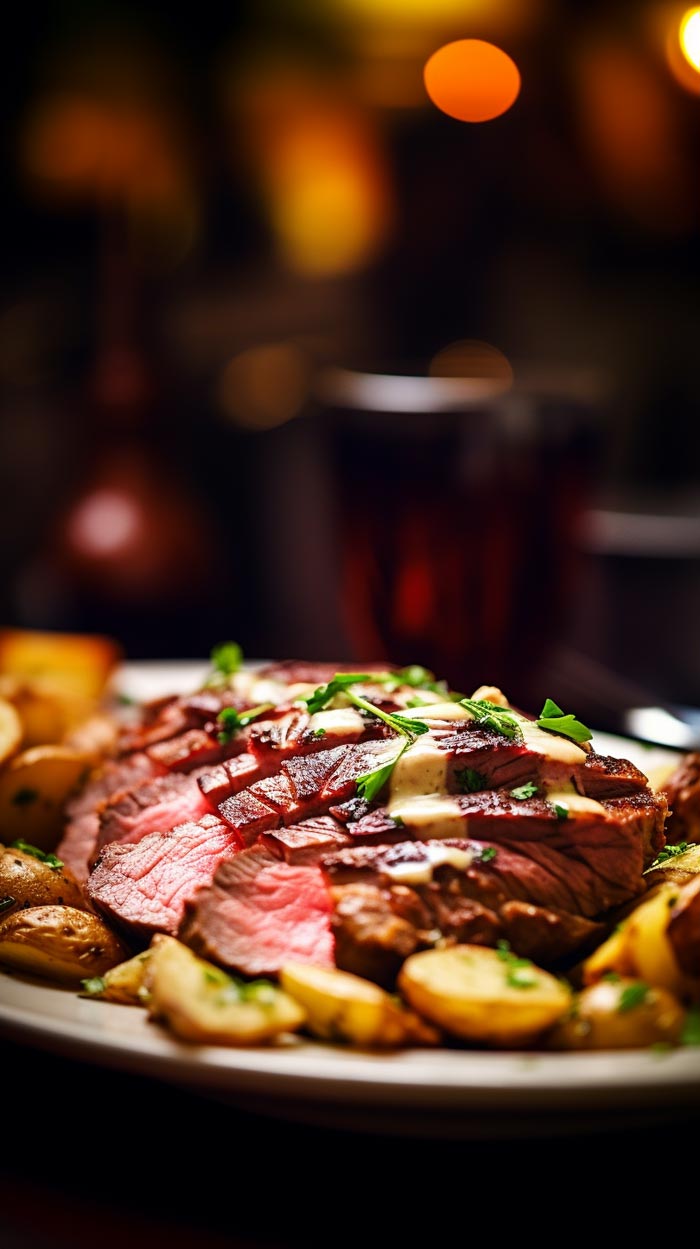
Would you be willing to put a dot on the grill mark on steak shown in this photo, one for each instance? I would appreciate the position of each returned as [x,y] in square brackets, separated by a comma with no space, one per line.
[157,805]
[143,888]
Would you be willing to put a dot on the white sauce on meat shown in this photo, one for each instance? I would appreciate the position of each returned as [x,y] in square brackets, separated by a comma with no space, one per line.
[575,803]
[342,722]
[418,795]
[421,872]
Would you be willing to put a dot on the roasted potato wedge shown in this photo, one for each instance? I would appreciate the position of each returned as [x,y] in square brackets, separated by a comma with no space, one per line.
[201,1003]
[677,868]
[620,1013]
[343,1007]
[641,946]
[34,787]
[59,943]
[94,737]
[123,983]
[42,712]
[683,931]
[76,664]
[27,881]
[484,995]
[10,730]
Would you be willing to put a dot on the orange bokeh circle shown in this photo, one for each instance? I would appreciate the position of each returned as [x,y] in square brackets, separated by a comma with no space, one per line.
[472,80]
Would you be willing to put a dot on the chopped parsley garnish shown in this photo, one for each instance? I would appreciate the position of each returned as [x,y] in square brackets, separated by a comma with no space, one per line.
[633,995]
[6,903]
[561,812]
[493,716]
[319,733]
[488,854]
[469,781]
[94,986]
[415,675]
[232,720]
[520,972]
[669,852]
[528,790]
[24,797]
[232,990]
[49,859]
[613,977]
[554,720]
[691,1028]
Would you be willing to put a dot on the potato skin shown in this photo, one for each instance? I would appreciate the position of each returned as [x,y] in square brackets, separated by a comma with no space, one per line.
[32,883]
[600,1022]
[34,787]
[10,730]
[343,1007]
[59,943]
[468,990]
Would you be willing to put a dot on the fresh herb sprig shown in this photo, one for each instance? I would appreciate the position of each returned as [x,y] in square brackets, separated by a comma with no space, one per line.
[232,720]
[633,995]
[337,685]
[469,781]
[226,659]
[554,720]
[369,784]
[49,859]
[493,716]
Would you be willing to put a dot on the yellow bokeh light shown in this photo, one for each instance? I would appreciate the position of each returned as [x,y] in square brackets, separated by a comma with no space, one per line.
[689,37]
[265,386]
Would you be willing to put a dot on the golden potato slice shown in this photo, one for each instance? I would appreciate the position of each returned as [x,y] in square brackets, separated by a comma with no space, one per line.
[201,1003]
[10,730]
[77,664]
[620,1013]
[41,711]
[59,943]
[484,995]
[123,983]
[27,881]
[610,956]
[649,952]
[34,788]
[344,1007]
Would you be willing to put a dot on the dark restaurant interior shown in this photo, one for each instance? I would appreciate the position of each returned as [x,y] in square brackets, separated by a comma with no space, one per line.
[318,339]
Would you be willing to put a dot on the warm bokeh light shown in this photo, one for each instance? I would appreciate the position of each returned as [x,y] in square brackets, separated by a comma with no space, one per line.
[689,37]
[629,125]
[321,168]
[265,386]
[470,358]
[472,80]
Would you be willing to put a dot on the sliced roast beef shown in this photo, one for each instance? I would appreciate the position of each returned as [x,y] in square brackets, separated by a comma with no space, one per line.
[259,912]
[682,790]
[307,842]
[143,888]
[156,805]
[390,902]
[77,846]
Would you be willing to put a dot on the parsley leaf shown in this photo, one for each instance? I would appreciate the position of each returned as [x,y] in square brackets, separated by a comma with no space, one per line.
[553,719]
[691,1028]
[232,720]
[94,986]
[319,733]
[226,659]
[488,854]
[340,682]
[528,790]
[402,724]
[370,783]
[49,859]
[469,781]
[492,716]
[561,812]
[632,995]
[669,852]
[520,972]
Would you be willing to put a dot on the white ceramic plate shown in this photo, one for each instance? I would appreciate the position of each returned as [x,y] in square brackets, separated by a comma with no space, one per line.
[449,1091]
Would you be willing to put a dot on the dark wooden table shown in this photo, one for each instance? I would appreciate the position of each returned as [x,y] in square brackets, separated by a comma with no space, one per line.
[92,1157]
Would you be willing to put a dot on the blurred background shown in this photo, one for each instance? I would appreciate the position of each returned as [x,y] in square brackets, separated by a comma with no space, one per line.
[358,329]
